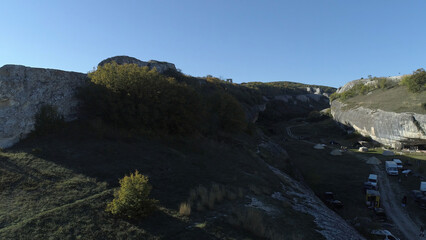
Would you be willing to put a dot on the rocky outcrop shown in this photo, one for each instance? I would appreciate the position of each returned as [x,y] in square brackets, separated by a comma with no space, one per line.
[160,66]
[23,90]
[284,107]
[366,81]
[388,128]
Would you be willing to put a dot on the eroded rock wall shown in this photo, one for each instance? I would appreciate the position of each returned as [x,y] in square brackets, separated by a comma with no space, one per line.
[388,128]
[23,90]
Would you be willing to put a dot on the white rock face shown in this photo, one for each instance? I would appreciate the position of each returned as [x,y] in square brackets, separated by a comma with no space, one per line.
[388,128]
[23,90]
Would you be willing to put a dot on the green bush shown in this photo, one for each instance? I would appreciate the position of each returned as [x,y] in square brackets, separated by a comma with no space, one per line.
[132,199]
[416,82]
[133,97]
[227,113]
[48,120]
[144,101]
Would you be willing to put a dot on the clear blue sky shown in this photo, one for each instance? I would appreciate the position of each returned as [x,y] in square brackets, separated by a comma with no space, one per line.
[326,42]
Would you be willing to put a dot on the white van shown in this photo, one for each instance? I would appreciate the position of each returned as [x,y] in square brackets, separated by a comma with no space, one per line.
[391,168]
[398,163]
[372,180]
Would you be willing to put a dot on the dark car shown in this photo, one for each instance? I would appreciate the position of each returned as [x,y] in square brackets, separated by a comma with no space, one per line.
[417,195]
[331,201]
[419,198]
[380,214]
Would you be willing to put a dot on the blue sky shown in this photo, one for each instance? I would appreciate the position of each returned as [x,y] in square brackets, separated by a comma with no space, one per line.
[325,42]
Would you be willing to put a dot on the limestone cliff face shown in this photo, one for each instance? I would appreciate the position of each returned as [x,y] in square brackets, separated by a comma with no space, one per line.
[388,128]
[23,90]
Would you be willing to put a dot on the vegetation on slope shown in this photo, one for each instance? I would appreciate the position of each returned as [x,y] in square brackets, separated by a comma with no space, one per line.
[363,89]
[397,99]
[416,82]
[388,95]
[142,100]
[271,89]
[59,185]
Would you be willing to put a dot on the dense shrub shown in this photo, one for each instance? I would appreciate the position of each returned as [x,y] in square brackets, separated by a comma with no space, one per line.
[315,116]
[48,120]
[132,199]
[134,97]
[228,115]
[415,82]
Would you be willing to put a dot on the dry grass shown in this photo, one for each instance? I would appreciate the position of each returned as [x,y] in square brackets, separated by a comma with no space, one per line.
[250,219]
[240,193]
[256,190]
[185,209]
[203,198]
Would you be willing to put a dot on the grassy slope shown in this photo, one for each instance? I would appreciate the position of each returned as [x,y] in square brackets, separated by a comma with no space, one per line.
[397,99]
[58,186]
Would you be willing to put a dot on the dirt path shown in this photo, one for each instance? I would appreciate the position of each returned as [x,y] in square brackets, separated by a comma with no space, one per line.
[394,210]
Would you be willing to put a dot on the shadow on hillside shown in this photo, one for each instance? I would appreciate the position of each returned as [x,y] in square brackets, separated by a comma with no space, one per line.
[174,166]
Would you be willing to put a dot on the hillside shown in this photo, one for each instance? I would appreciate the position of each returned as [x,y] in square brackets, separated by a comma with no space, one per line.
[396,99]
[392,111]
[195,138]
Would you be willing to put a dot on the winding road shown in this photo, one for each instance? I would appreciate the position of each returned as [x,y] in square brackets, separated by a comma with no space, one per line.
[394,209]
[390,202]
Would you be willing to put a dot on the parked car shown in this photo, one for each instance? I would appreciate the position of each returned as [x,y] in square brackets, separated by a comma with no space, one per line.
[419,198]
[417,195]
[391,168]
[398,163]
[383,234]
[331,201]
[380,214]
[372,180]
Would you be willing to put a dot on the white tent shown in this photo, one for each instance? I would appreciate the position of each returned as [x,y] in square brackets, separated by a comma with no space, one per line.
[319,146]
[388,153]
[423,186]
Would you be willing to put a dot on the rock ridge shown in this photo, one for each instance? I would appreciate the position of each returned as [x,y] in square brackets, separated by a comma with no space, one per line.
[389,128]
[160,66]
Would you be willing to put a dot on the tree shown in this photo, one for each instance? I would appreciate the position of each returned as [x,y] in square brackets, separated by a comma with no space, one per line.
[132,199]
[416,82]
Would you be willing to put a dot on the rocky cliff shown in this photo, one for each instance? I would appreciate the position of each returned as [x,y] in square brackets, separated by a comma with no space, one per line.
[160,66]
[23,90]
[389,128]
[284,107]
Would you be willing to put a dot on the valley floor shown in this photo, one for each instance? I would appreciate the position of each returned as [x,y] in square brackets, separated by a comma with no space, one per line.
[345,173]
